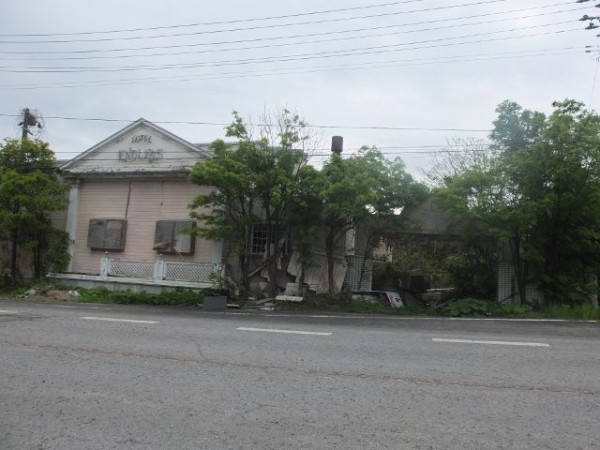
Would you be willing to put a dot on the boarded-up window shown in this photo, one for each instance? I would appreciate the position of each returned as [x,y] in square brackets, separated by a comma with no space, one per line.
[107,234]
[170,237]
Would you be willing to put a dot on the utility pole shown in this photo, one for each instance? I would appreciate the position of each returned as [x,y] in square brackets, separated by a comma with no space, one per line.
[29,120]
[592,25]
[597,58]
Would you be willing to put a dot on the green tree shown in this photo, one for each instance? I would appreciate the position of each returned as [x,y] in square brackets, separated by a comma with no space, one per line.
[29,190]
[363,190]
[305,215]
[561,175]
[257,180]
[540,192]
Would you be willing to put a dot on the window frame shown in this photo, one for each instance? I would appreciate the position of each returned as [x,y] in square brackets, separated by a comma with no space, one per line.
[173,233]
[258,244]
[106,246]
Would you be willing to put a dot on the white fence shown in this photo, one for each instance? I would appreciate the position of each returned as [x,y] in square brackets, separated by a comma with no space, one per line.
[159,270]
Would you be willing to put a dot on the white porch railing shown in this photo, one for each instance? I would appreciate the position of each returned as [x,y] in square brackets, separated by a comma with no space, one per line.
[159,270]
[131,269]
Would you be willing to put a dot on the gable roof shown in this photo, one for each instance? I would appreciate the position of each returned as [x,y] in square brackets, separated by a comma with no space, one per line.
[197,150]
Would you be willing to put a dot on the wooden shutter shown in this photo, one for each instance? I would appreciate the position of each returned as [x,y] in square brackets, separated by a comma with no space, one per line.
[107,234]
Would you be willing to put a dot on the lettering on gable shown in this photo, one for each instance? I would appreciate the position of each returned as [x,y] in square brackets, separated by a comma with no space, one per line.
[134,154]
[141,138]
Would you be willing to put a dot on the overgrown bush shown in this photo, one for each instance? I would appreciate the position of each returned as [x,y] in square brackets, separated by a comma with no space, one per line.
[469,307]
[473,272]
[344,303]
[585,311]
[178,297]
[467,264]
[515,310]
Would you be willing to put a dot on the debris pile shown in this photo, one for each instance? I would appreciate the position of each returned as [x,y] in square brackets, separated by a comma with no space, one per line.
[50,294]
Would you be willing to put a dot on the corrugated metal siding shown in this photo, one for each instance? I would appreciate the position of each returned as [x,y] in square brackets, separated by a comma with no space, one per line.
[141,203]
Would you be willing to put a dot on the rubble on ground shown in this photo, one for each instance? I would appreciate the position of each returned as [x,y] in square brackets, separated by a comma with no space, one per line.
[50,294]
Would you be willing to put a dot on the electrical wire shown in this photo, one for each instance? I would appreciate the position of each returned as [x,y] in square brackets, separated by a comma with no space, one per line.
[294,57]
[260,27]
[299,70]
[123,49]
[225,22]
[326,151]
[354,36]
[173,122]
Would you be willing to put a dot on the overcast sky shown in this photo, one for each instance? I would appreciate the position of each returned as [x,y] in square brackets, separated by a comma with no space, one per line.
[356,64]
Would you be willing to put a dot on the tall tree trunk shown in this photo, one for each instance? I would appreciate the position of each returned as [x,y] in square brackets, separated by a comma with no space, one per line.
[518,268]
[245,262]
[13,254]
[272,251]
[37,262]
[245,284]
[329,251]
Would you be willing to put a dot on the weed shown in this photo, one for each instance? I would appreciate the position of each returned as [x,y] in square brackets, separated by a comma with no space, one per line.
[344,304]
[469,307]
[176,297]
[516,310]
[585,311]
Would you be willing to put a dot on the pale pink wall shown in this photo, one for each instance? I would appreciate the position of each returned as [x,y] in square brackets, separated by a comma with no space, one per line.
[141,203]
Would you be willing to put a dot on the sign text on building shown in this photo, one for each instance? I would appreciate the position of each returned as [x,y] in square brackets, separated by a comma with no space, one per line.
[140,154]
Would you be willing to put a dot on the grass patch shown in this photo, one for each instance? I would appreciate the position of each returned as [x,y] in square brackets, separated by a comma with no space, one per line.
[568,312]
[469,307]
[47,291]
[466,307]
[344,304]
[176,297]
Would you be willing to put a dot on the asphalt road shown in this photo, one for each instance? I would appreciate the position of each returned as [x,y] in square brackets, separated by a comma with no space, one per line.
[75,376]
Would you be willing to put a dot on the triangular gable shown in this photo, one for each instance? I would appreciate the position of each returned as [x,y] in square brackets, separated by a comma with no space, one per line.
[141,147]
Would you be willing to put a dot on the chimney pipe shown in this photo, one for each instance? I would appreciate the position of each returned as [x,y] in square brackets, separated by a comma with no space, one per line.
[337,144]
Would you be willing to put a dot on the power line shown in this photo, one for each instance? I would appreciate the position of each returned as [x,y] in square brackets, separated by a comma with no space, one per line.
[270,38]
[259,27]
[294,57]
[122,49]
[284,44]
[225,22]
[327,152]
[347,127]
[347,153]
[302,70]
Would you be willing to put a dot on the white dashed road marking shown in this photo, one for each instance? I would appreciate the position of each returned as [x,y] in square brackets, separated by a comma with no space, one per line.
[6,311]
[112,319]
[273,330]
[471,341]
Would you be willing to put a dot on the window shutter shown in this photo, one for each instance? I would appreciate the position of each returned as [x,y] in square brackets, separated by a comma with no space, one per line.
[96,234]
[107,234]
[163,236]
